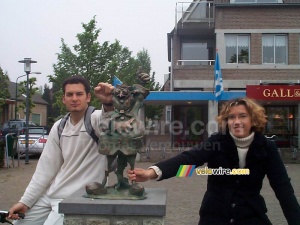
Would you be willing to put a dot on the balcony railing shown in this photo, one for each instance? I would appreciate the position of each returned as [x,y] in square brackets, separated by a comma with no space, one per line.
[197,62]
[195,11]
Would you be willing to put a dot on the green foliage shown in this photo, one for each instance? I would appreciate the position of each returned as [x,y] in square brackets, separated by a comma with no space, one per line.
[97,63]
[47,97]
[4,93]
[32,91]
[65,67]
[144,61]
[40,90]
[243,57]
[58,103]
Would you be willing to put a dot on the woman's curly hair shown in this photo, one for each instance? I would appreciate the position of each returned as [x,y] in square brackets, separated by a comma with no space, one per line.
[256,112]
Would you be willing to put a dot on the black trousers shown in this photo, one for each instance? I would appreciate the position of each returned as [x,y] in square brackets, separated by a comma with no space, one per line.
[223,221]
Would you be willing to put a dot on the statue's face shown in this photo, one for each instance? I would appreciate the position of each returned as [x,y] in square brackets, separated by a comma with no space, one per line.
[122,93]
[123,99]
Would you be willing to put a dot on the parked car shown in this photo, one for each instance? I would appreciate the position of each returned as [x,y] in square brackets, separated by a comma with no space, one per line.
[16,127]
[37,138]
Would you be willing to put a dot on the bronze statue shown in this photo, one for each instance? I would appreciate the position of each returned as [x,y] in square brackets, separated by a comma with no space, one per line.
[121,137]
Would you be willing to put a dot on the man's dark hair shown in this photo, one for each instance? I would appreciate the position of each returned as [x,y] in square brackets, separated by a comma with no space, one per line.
[76,79]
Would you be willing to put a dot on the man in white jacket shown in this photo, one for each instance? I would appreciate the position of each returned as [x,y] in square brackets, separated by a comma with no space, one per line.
[67,163]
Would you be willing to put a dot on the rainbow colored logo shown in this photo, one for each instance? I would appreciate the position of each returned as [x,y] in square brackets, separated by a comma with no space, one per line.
[185,170]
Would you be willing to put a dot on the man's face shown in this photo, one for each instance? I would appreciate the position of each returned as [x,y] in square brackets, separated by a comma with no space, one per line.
[75,98]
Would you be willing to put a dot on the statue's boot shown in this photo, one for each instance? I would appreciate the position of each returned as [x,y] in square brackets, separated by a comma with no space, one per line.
[137,189]
[95,188]
[122,183]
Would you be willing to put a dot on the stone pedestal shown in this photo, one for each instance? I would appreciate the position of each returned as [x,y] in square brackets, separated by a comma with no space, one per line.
[79,210]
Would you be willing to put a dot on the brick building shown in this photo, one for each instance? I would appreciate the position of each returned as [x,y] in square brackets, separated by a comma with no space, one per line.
[258,42]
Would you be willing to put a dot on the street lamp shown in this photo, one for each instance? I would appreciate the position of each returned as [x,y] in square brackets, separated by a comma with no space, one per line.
[27,68]
[16,96]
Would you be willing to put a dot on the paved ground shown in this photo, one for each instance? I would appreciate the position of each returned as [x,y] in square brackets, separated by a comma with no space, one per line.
[183,198]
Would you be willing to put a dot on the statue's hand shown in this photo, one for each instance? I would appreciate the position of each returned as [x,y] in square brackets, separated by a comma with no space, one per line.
[143,78]
[124,126]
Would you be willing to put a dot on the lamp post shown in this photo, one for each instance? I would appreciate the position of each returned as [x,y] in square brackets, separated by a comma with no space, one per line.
[27,68]
[16,96]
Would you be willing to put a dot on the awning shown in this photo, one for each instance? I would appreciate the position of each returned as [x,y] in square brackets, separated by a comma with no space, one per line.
[188,97]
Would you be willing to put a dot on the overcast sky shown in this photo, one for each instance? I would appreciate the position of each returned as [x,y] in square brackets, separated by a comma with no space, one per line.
[34,28]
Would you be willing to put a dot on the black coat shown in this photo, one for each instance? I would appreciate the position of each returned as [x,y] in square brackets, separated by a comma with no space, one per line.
[236,199]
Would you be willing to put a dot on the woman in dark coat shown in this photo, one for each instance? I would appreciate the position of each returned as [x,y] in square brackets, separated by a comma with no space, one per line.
[235,199]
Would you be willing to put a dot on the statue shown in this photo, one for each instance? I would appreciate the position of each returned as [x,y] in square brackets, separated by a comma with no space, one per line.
[121,138]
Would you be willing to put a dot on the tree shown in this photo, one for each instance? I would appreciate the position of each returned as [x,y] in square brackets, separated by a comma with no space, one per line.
[89,59]
[40,90]
[4,93]
[32,91]
[144,61]
[243,57]
[64,68]
[47,97]
[97,63]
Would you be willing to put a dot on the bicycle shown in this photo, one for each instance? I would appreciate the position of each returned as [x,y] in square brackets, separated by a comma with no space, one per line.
[4,215]
[273,139]
[294,146]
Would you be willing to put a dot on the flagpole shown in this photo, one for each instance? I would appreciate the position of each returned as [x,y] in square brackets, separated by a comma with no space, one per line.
[218,81]
[214,84]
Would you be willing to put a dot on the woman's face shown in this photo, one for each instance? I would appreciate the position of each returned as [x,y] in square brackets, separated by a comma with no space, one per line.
[239,121]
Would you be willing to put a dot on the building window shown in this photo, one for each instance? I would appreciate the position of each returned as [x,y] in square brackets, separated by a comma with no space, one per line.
[274,48]
[36,119]
[194,54]
[282,122]
[237,48]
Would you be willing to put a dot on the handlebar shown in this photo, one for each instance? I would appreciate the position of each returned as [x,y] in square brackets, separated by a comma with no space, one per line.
[271,137]
[4,215]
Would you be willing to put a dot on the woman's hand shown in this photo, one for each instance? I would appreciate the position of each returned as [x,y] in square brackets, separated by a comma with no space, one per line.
[141,175]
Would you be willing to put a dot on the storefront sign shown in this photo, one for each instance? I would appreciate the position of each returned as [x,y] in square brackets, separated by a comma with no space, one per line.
[273,92]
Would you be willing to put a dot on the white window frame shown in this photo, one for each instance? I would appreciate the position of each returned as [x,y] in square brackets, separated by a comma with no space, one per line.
[236,43]
[274,49]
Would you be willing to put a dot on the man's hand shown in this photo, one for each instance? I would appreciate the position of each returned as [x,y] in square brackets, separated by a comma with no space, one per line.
[104,92]
[15,209]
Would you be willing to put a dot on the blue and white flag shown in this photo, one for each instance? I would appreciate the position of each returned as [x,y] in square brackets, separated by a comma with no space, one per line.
[218,79]
[116,81]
